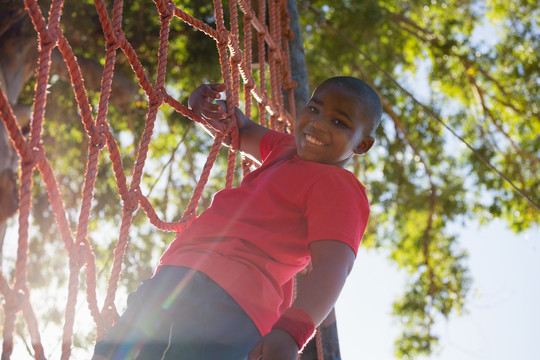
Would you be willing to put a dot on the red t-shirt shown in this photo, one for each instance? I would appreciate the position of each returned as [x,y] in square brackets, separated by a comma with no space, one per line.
[253,239]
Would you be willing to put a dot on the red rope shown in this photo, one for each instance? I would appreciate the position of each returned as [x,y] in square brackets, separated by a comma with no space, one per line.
[235,65]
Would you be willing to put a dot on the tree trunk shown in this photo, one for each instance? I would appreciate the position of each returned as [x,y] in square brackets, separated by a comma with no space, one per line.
[298,60]
[17,61]
[330,341]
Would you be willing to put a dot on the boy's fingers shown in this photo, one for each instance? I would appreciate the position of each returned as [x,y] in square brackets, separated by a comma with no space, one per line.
[213,117]
[208,93]
[218,87]
[210,107]
[216,126]
[212,91]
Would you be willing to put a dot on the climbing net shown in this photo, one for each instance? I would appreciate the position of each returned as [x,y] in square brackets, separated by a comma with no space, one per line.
[235,60]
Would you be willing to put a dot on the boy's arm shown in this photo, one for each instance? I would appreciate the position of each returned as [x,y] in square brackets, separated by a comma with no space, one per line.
[332,262]
[201,101]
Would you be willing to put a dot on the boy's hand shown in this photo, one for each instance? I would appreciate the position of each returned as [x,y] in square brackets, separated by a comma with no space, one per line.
[276,345]
[203,103]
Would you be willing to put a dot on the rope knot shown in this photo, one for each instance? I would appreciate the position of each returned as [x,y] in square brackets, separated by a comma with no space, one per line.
[290,85]
[131,200]
[167,11]
[49,39]
[112,41]
[250,83]
[35,155]
[78,256]
[162,94]
[157,97]
[223,39]
[98,135]
[236,58]
[46,46]
[14,301]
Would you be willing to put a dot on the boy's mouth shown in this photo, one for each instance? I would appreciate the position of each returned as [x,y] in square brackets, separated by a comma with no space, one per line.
[313,140]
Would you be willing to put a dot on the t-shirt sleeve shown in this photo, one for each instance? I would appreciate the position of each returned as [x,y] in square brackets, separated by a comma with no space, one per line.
[272,139]
[337,208]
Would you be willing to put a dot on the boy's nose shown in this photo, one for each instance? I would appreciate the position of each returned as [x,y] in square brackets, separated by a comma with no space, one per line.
[319,123]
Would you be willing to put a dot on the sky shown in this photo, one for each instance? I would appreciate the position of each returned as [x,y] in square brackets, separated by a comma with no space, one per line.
[502,319]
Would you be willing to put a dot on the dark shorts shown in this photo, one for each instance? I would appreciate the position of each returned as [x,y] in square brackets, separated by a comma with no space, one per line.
[180,314]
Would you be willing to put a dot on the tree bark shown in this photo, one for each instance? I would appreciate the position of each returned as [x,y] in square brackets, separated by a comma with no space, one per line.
[298,59]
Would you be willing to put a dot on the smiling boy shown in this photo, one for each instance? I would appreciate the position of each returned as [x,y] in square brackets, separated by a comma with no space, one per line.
[223,288]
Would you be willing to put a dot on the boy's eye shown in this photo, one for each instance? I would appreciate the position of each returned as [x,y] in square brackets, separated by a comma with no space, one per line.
[339,123]
[313,109]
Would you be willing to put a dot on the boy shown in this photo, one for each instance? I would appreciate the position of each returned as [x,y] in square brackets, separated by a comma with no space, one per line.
[223,288]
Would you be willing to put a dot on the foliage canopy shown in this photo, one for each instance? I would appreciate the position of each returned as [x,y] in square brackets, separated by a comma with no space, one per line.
[459,83]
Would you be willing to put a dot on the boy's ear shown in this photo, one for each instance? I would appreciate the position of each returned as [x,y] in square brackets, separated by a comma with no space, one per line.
[365,144]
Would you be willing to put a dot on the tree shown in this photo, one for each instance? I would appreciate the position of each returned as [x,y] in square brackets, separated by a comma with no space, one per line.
[463,131]
[454,144]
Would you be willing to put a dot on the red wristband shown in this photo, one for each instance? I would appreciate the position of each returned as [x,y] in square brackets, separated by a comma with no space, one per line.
[298,323]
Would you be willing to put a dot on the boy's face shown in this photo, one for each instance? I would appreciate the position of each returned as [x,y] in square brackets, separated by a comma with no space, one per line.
[331,127]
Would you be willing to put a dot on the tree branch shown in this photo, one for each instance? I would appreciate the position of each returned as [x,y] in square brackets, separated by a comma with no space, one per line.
[481,98]
[13,18]
[432,40]
[171,158]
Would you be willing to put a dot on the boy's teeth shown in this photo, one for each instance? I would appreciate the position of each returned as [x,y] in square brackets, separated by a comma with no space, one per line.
[313,140]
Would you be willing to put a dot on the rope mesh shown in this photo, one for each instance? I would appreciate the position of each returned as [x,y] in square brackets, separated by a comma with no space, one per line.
[236,67]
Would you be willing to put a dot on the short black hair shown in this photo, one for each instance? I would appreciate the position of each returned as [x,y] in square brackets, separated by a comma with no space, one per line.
[367,97]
